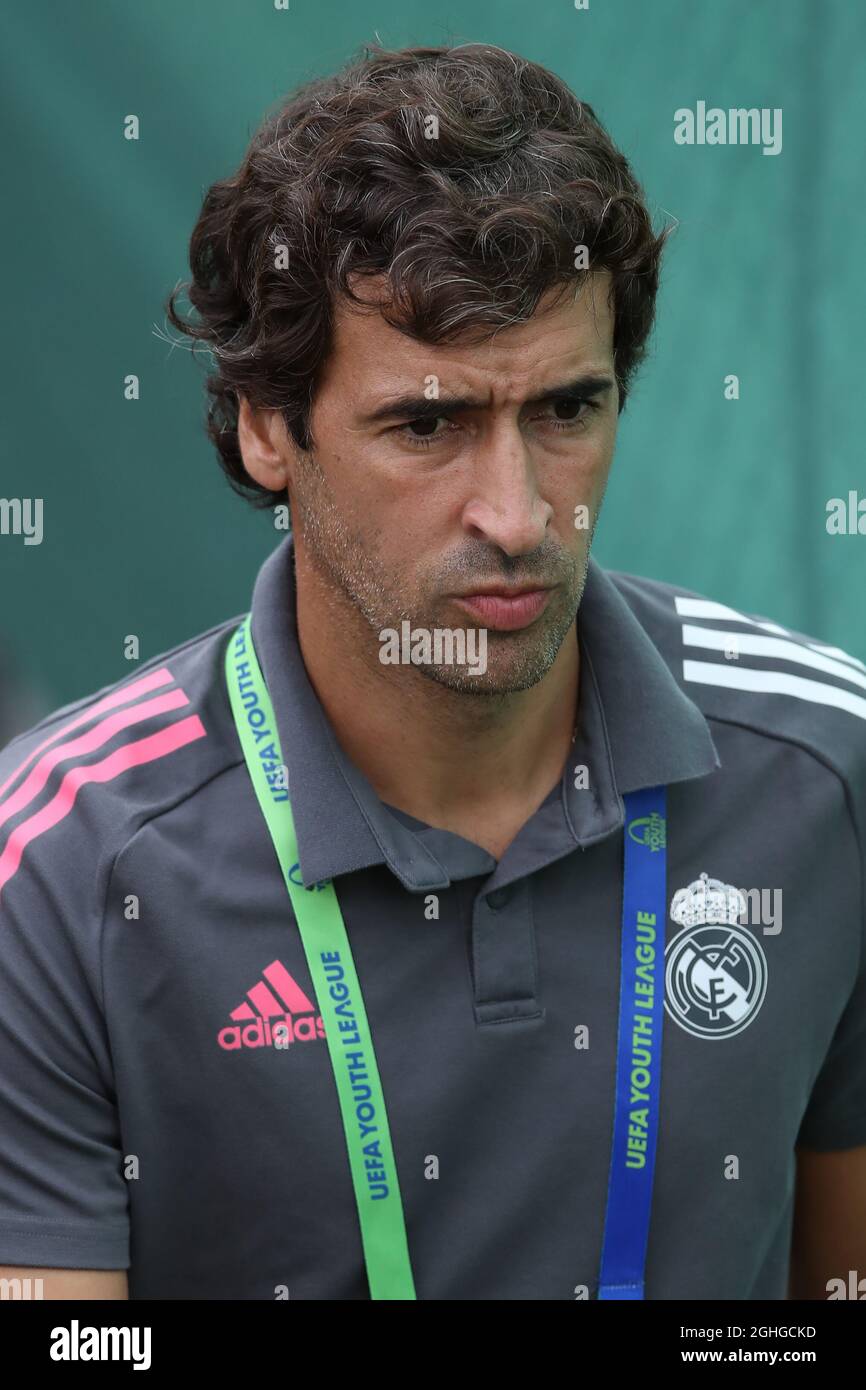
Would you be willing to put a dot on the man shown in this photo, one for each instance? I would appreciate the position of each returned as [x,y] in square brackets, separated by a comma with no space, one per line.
[338,963]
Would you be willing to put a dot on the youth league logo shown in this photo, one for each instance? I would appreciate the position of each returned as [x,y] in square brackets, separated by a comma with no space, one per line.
[715,970]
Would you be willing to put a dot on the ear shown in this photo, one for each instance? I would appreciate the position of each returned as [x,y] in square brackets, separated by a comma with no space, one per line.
[266,449]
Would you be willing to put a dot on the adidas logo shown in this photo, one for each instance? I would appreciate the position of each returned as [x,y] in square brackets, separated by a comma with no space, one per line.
[279,1014]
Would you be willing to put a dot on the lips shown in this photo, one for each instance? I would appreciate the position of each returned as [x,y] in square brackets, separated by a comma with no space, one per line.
[503,591]
[503,608]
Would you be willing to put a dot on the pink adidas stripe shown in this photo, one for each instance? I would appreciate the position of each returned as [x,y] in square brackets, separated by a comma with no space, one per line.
[291,994]
[86,743]
[294,1000]
[264,1001]
[143,686]
[141,751]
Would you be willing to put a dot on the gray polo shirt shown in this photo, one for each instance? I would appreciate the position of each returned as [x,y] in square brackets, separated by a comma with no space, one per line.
[148,1121]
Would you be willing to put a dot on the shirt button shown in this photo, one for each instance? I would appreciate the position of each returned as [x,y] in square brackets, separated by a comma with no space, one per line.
[498,898]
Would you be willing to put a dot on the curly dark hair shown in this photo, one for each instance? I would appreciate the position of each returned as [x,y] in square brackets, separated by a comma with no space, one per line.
[471,227]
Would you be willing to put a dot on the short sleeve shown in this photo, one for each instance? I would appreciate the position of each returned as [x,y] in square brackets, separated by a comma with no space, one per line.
[835,1117]
[63,1197]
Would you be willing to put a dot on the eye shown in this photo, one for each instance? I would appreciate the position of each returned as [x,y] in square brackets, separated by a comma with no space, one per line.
[426,427]
[573,408]
[421,433]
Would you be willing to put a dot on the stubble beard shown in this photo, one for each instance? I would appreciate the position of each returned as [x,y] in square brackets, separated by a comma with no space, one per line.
[354,582]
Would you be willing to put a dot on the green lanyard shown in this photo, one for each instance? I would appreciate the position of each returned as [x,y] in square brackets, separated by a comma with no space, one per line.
[338,994]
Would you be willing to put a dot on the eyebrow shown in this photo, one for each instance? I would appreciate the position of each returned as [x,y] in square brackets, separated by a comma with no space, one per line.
[422,408]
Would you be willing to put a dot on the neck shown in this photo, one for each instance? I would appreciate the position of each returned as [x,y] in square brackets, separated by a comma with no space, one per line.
[445,757]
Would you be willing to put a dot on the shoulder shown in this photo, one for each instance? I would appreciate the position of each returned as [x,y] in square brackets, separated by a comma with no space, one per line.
[744,668]
[76,786]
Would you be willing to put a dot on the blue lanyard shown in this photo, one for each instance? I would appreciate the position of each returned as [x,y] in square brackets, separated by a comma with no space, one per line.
[639,1046]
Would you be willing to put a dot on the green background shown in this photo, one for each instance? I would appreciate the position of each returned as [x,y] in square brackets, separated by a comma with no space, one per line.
[763,278]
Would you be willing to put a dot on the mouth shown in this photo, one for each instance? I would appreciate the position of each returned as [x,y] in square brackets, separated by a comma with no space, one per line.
[505,608]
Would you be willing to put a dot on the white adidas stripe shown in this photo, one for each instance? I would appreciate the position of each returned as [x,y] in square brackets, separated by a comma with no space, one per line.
[775,648]
[775,683]
[705,608]
[840,655]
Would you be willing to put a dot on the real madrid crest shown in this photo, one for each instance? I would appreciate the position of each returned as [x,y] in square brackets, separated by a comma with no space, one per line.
[715,970]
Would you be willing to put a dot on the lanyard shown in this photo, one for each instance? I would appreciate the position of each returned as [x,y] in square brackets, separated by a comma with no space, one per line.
[350,1044]
[639,1045]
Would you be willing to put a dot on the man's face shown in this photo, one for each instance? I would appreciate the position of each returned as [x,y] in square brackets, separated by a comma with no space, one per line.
[402,514]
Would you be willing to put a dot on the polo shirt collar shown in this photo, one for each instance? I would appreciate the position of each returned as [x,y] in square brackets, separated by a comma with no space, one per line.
[635,728]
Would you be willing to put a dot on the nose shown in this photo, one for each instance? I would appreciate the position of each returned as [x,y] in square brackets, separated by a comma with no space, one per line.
[505,507]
